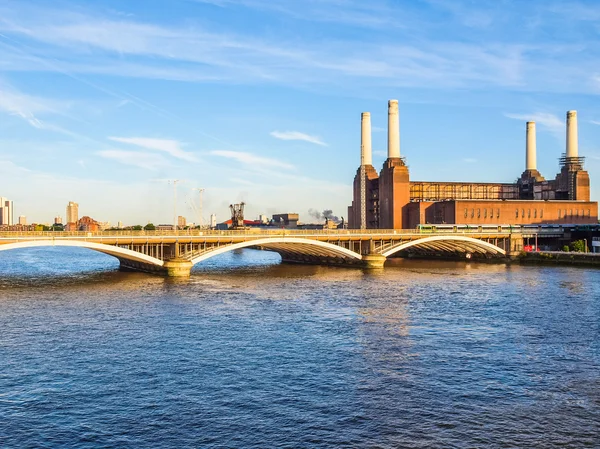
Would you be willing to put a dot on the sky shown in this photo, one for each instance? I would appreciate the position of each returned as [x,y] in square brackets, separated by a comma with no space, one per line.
[107,103]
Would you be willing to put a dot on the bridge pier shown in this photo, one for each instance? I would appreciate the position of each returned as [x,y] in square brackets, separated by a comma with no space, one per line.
[171,268]
[177,268]
[516,246]
[373,260]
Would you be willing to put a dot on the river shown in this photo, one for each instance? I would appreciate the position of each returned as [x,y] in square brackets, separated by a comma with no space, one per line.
[251,353]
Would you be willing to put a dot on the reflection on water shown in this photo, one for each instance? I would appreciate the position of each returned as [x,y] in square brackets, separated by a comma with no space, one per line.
[252,353]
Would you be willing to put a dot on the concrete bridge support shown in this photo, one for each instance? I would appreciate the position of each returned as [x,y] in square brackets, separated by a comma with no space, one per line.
[516,246]
[373,260]
[177,268]
[171,268]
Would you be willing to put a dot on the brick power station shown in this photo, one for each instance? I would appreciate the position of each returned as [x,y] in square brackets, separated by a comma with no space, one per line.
[390,200]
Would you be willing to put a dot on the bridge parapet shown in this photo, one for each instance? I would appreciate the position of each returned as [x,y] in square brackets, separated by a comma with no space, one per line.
[175,252]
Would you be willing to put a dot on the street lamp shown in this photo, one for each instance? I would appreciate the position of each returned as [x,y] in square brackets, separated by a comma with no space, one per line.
[175,203]
[201,221]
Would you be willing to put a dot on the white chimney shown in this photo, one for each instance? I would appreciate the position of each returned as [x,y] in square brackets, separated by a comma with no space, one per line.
[393,130]
[572,145]
[366,150]
[530,158]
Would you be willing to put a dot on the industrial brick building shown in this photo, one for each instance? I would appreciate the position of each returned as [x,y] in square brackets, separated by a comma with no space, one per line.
[390,200]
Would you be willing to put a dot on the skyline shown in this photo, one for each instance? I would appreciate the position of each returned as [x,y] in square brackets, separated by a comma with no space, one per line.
[108,106]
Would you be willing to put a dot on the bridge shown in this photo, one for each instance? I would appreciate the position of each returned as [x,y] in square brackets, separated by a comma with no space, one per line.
[174,253]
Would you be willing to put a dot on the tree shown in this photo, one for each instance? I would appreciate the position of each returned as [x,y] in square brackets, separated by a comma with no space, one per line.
[578,246]
[566,248]
[136,228]
[150,227]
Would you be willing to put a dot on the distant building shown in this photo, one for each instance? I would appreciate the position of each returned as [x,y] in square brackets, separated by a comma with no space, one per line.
[164,227]
[120,224]
[22,220]
[264,219]
[72,212]
[389,199]
[6,212]
[213,221]
[181,222]
[87,224]
[104,225]
[286,220]
[58,219]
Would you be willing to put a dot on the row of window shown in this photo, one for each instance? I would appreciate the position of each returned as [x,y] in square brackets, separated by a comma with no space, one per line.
[485,213]
[562,213]
[578,213]
[535,213]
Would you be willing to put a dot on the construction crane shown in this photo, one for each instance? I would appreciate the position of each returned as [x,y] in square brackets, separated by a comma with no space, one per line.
[237,215]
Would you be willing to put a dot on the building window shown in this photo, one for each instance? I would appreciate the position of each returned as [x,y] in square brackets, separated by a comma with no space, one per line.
[522,213]
[497,213]
[528,213]
[466,212]
[541,213]
[472,213]
[485,213]
[478,213]
[517,213]
[582,213]
[588,212]
[534,213]
[571,212]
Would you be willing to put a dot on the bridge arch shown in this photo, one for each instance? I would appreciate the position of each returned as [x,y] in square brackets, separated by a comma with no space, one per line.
[285,245]
[116,251]
[448,243]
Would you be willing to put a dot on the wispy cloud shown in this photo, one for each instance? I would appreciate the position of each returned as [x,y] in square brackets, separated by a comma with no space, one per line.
[252,159]
[242,181]
[125,47]
[595,122]
[148,161]
[24,106]
[296,135]
[547,120]
[172,147]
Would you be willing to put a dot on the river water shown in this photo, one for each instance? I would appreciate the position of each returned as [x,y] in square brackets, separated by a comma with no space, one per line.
[250,353]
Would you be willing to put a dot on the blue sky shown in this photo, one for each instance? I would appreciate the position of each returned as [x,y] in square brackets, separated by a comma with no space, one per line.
[104,102]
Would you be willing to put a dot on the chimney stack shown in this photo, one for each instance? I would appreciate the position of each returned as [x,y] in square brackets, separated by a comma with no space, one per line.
[530,158]
[572,145]
[366,150]
[393,130]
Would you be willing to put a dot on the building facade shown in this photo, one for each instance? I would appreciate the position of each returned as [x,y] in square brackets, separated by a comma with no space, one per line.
[390,200]
[6,212]
[72,212]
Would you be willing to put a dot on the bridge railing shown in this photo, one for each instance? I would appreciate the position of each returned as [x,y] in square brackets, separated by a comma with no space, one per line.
[269,232]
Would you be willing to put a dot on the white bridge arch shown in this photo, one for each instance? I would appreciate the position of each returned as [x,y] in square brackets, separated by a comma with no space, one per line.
[283,245]
[116,251]
[447,243]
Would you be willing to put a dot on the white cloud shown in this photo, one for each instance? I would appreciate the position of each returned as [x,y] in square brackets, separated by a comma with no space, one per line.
[252,159]
[296,135]
[547,120]
[25,106]
[148,161]
[172,147]
[242,181]
[130,48]
[595,122]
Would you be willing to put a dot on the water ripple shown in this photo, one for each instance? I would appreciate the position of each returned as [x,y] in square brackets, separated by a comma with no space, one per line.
[251,353]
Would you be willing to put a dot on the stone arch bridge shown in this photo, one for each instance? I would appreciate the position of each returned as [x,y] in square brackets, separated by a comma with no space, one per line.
[175,252]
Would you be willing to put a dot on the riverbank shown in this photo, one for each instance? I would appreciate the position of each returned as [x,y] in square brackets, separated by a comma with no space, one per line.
[560,258]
